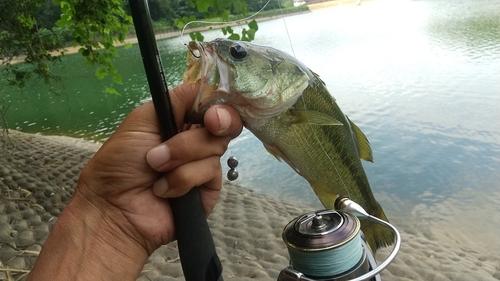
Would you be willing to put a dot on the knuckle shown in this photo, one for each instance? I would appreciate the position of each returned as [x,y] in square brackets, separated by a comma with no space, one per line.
[186,143]
[215,163]
[184,178]
[224,143]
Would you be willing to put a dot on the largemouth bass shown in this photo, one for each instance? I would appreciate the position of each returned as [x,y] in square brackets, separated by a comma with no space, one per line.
[288,107]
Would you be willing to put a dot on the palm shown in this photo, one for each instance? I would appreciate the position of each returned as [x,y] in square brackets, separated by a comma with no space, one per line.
[126,182]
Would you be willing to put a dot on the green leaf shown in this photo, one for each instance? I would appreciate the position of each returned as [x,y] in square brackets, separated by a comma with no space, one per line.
[225,4]
[253,25]
[100,73]
[117,78]
[112,91]
[196,36]
[64,5]
[237,6]
[65,20]
[199,37]
[128,19]
[227,30]
[179,23]
[234,36]
[251,34]
[203,5]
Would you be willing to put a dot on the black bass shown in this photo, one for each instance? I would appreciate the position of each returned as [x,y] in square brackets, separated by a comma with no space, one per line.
[287,107]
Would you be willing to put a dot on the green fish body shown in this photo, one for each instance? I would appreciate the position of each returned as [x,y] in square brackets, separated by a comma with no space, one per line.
[289,109]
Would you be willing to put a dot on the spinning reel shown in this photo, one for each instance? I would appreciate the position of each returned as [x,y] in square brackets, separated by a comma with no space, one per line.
[329,245]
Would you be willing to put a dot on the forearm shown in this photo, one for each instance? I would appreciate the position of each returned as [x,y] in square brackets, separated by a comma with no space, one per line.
[85,245]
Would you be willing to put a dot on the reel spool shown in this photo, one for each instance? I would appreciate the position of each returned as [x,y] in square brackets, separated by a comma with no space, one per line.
[329,245]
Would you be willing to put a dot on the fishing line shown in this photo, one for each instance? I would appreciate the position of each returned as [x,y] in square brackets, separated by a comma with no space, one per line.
[221,22]
[286,29]
[307,114]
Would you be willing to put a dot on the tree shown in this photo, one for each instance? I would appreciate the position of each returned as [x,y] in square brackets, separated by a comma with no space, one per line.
[27,31]
[21,35]
[96,25]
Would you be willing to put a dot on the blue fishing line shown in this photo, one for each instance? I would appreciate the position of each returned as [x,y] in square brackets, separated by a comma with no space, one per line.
[330,262]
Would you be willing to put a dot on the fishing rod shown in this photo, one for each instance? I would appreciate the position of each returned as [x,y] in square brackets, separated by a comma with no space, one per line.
[196,246]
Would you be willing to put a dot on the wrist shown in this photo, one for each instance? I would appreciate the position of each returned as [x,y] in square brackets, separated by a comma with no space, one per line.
[86,243]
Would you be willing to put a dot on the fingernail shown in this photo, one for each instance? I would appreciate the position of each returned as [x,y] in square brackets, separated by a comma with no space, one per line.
[224,118]
[160,187]
[158,156]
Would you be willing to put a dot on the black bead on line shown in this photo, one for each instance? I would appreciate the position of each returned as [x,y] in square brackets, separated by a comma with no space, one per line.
[232,174]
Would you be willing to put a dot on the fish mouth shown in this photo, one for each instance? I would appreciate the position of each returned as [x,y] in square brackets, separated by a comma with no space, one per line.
[206,69]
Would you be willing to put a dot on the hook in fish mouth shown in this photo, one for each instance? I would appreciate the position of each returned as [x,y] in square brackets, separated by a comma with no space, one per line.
[195,55]
[194,48]
[213,75]
[200,67]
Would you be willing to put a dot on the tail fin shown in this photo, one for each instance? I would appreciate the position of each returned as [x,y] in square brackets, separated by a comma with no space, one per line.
[377,236]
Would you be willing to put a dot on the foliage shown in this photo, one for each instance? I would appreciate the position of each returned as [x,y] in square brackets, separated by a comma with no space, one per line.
[21,35]
[36,31]
[96,26]
[246,34]
[224,10]
[213,9]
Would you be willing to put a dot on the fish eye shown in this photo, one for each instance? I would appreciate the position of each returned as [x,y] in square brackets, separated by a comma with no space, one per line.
[238,52]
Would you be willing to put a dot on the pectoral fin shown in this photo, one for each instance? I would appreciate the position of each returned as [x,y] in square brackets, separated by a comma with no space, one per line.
[365,151]
[312,117]
[274,151]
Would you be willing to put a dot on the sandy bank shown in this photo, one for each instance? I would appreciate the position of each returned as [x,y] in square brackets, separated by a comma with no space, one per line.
[38,174]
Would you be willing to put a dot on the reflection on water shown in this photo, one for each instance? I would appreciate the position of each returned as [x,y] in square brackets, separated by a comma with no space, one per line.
[420,78]
[465,30]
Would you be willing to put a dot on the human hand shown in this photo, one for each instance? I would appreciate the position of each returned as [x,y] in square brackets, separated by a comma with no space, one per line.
[124,179]
[118,214]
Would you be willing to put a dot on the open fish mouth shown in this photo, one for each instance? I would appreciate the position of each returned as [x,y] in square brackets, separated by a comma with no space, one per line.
[206,69]
[198,56]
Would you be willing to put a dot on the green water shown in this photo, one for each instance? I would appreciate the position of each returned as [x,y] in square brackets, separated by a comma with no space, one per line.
[82,108]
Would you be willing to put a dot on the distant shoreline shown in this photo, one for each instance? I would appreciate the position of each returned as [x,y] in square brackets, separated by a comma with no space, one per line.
[171,34]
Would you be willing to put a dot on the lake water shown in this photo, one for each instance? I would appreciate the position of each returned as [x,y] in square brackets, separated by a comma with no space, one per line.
[420,78]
